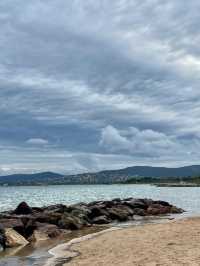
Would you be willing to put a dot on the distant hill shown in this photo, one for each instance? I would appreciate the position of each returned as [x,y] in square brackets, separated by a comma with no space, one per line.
[31,179]
[121,175]
[103,177]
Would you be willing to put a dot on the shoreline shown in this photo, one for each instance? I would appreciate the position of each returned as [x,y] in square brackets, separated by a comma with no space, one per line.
[63,254]
[174,237]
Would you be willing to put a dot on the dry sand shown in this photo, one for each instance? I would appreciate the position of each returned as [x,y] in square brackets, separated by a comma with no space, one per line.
[173,243]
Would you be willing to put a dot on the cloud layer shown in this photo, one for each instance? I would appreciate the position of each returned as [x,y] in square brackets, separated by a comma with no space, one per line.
[89,85]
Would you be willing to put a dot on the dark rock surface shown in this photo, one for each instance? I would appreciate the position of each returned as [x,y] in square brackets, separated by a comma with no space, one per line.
[23,208]
[52,221]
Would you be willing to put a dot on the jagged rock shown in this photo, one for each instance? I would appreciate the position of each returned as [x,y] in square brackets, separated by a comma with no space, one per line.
[14,239]
[158,209]
[58,208]
[46,231]
[16,224]
[82,215]
[70,222]
[163,203]
[119,214]
[101,220]
[97,211]
[140,212]
[48,217]
[30,225]
[136,203]
[23,208]
[176,210]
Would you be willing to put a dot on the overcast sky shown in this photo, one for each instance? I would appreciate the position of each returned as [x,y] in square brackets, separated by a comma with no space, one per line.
[104,84]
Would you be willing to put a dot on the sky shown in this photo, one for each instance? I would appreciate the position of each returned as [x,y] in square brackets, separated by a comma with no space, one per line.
[91,85]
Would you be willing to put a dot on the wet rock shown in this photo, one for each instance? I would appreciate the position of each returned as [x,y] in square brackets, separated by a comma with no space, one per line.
[23,208]
[14,239]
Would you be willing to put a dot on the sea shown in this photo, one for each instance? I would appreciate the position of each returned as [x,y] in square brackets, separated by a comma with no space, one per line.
[187,198]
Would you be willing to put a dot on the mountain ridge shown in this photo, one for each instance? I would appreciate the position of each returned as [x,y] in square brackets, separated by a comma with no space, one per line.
[102,177]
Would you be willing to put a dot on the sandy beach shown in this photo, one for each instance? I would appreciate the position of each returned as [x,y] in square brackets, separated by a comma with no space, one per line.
[173,243]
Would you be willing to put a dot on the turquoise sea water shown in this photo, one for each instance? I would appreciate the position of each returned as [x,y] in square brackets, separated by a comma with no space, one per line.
[187,198]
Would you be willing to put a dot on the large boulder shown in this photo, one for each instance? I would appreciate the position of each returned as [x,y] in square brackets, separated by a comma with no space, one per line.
[163,203]
[158,209]
[23,208]
[58,208]
[14,239]
[48,217]
[136,203]
[175,210]
[46,231]
[70,222]
[14,223]
[96,211]
[101,220]
[119,213]
[140,212]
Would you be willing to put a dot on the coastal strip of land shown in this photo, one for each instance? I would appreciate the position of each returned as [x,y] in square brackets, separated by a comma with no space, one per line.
[175,243]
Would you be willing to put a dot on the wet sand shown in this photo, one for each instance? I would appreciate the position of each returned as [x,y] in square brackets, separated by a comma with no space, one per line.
[167,244]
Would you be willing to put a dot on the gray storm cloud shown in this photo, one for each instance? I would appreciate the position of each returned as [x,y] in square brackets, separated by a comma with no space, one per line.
[100,84]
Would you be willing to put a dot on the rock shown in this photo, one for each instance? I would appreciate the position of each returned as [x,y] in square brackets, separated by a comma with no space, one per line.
[48,217]
[46,231]
[82,215]
[119,213]
[157,209]
[135,203]
[97,211]
[2,237]
[163,203]
[175,210]
[153,211]
[16,224]
[23,208]
[101,220]
[70,222]
[14,239]
[140,212]
[30,227]
[58,208]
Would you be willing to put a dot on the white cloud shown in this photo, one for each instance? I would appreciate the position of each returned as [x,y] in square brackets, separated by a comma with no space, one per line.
[37,141]
[138,142]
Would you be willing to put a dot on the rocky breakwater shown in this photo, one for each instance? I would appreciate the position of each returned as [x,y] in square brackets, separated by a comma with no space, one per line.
[26,224]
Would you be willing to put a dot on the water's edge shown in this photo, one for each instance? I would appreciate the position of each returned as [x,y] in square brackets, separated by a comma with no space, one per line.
[63,253]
